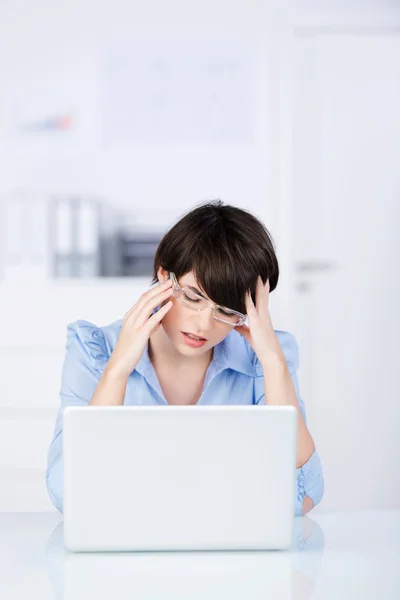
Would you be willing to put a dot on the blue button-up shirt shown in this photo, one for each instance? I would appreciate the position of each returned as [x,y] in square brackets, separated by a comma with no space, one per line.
[234,376]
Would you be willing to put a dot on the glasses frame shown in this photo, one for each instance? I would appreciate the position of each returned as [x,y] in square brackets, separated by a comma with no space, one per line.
[177,288]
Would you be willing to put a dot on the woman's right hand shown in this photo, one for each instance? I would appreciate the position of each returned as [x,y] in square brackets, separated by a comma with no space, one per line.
[137,327]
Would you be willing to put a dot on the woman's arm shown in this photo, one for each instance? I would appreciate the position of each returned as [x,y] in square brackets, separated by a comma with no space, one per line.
[283,389]
[138,325]
[277,361]
[279,391]
[308,505]
[85,360]
[111,389]
[309,474]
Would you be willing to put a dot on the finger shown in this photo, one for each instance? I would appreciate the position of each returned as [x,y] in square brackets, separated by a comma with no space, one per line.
[244,331]
[143,308]
[250,308]
[265,300]
[267,289]
[260,304]
[154,322]
[262,296]
[146,296]
[143,315]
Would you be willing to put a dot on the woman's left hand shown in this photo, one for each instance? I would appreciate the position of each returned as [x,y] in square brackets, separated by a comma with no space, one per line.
[260,333]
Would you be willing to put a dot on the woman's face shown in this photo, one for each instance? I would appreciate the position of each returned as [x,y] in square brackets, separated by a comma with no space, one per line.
[181,320]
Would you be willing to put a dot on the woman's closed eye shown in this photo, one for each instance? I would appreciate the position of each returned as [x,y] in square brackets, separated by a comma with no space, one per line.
[195,300]
[225,312]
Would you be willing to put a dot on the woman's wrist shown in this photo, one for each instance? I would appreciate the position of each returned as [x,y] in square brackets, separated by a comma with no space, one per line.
[111,388]
[115,372]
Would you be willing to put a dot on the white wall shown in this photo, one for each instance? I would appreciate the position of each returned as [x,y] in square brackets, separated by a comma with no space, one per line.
[345,220]
[63,47]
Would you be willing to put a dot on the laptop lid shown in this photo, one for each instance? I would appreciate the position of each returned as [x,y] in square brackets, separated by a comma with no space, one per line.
[179,477]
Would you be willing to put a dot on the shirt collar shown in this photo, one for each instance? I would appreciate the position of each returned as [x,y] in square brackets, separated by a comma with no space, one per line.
[239,356]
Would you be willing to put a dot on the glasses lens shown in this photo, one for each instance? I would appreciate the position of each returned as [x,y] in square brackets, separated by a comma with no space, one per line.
[191,299]
[227,316]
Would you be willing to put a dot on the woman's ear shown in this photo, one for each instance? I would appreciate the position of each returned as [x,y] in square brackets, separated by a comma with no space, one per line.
[162,275]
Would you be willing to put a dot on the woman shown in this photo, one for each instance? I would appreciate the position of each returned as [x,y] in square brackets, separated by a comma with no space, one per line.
[185,341]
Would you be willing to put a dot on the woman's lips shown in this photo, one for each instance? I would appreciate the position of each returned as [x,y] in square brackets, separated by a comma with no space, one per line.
[197,336]
[193,343]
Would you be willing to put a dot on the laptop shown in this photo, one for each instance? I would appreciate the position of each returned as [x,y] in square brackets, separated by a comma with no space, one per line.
[140,478]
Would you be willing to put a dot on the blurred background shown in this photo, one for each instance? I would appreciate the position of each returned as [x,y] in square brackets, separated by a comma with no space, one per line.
[118,117]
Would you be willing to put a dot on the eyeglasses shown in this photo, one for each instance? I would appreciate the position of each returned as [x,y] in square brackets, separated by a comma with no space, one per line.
[192,300]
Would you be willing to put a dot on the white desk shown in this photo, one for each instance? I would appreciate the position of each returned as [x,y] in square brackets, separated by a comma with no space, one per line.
[354,555]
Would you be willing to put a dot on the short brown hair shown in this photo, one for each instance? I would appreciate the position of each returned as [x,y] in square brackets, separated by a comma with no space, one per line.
[226,247]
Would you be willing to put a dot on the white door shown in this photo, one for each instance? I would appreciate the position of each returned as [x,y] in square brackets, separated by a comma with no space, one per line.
[346,253]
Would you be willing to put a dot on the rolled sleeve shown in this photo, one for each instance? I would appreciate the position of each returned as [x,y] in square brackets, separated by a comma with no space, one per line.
[310,482]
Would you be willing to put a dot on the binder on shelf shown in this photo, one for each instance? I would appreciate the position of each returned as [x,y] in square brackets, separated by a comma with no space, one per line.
[24,243]
[61,227]
[13,252]
[88,238]
[138,248]
[37,217]
[75,237]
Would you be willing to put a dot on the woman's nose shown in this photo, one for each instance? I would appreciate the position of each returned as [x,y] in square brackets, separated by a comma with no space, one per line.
[205,319]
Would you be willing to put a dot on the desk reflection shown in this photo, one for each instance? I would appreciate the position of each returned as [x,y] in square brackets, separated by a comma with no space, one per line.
[196,575]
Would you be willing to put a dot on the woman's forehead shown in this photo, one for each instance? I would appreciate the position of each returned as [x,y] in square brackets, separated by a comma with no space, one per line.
[189,279]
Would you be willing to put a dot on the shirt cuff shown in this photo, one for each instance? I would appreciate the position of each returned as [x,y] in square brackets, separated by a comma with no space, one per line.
[310,480]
